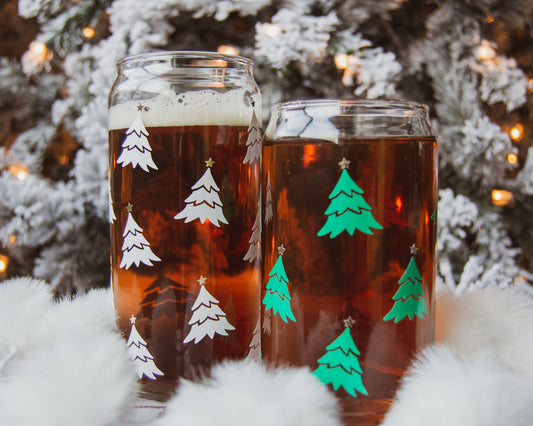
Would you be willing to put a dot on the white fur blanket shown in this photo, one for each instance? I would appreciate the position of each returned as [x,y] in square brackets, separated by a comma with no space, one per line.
[64,364]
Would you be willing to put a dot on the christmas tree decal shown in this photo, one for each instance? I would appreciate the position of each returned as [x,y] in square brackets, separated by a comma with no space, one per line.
[255,344]
[277,295]
[207,318]
[136,149]
[112,216]
[139,354]
[410,296]
[254,250]
[254,141]
[339,366]
[204,202]
[268,202]
[135,248]
[348,209]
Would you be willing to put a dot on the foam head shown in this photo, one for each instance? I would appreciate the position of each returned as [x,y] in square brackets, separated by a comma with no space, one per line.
[194,108]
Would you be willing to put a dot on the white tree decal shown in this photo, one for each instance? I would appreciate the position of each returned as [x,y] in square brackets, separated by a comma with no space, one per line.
[268,202]
[207,318]
[255,344]
[254,250]
[139,354]
[112,216]
[254,141]
[135,248]
[136,149]
[204,202]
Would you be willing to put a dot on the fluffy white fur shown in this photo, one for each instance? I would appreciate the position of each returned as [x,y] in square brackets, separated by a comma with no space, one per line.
[71,366]
[64,364]
[244,394]
[481,371]
[444,389]
[491,321]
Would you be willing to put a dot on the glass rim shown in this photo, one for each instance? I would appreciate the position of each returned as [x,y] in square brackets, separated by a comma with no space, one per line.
[188,54]
[365,105]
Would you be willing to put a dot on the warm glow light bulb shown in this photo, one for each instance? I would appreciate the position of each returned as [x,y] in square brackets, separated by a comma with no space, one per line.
[512,158]
[88,32]
[4,261]
[20,171]
[341,61]
[516,132]
[271,30]
[227,50]
[485,51]
[502,197]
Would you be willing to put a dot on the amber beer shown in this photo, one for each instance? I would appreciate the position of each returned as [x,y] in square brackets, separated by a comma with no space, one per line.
[161,296]
[185,244]
[349,258]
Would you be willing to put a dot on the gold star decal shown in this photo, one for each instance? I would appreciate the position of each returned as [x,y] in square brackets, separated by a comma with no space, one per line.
[348,322]
[140,107]
[281,250]
[413,249]
[201,280]
[209,163]
[129,207]
[133,319]
[344,163]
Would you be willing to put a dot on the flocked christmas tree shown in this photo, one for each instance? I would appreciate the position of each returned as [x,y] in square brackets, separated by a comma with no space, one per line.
[136,149]
[409,299]
[469,61]
[140,355]
[207,317]
[348,210]
[204,202]
[339,366]
[277,295]
[135,247]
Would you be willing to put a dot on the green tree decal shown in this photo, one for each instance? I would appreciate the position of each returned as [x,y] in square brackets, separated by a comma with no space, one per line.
[348,210]
[410,296]
[339,366]
[277,295]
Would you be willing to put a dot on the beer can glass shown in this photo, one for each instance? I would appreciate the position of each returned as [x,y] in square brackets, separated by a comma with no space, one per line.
[185,144]
[350,208]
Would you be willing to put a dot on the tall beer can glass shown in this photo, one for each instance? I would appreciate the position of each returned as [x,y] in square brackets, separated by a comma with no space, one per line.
[185,144]
[350,207]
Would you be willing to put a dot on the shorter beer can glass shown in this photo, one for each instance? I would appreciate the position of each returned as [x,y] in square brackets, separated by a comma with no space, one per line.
[185,149]
[349,210]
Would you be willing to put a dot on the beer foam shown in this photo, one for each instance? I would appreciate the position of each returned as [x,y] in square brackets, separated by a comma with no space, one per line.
[194,108]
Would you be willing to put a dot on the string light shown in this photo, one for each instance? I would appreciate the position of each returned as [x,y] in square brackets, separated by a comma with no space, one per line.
[39,53]
[517,132]
[20,171]
[271,30]
[512,158]
[341,61]
[485,51]
[489,19]
[88,32]
[502,197]
[12,239]
[349,64]
[530,84]
[4,261]
[227,50]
